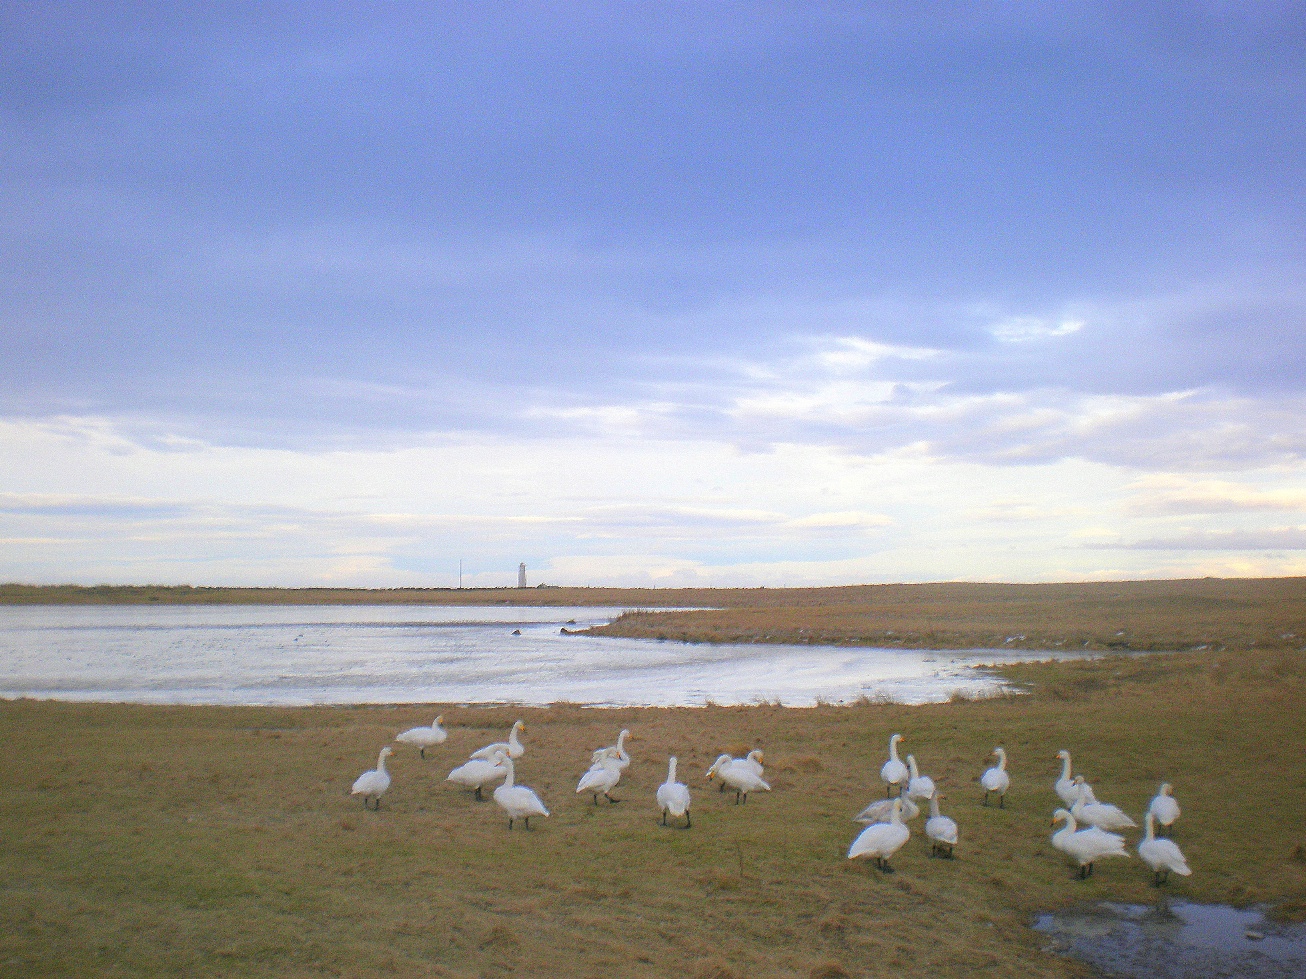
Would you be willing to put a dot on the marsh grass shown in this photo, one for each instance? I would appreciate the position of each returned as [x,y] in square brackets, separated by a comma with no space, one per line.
[192,840]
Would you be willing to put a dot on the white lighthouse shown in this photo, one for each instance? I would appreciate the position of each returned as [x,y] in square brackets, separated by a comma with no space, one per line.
[521,575]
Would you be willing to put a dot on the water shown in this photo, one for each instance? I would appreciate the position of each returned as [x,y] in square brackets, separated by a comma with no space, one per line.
[1178,939]
[298,654]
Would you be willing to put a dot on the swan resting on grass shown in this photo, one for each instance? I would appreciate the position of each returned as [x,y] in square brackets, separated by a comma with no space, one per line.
[742,779]
[941,830]
[517,801]
[424,737]
[1065,785]
[616,752]
[512,747]
[881,811]
[1103,815]
[1161,855]
[882,840]
[1085,846]
[919,786]
[372,784]
[1164,806]
[894,771]
[475,774]
[997,780]
[673,796]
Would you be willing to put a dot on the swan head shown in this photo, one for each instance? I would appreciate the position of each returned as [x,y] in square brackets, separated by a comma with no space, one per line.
[895,739]
[519,726]
[1000,752]
[755,755]
[716,765]
[386,752]
[438,720]
[911,766]
[1060,815]
[1063,754]
[1166,789]
[1079,780]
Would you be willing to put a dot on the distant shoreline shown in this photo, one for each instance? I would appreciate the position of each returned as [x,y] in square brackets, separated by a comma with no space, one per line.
[1179,614]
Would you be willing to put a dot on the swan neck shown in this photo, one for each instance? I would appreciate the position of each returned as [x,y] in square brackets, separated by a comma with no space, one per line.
[671,771]
[911,766]
[893,749]
[380,761]
[507,763]
[1002,761]
[1151,829]
[1065,768]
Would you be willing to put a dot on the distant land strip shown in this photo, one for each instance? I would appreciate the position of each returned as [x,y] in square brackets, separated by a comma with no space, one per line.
[1214,613]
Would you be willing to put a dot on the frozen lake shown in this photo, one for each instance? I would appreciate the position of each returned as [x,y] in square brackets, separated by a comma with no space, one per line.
[296,654]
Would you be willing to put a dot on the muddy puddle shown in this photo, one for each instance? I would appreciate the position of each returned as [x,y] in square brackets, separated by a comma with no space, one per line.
[1177,939]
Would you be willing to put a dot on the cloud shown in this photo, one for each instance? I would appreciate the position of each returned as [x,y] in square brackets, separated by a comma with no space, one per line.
[1271,539]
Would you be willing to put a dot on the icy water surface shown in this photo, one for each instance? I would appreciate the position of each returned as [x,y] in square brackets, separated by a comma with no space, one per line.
[296,654]
[1178,940]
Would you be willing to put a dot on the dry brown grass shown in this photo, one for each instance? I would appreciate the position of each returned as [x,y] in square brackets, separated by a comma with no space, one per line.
[168,840]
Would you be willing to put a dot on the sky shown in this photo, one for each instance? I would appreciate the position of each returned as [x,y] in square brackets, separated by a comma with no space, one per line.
[677,293]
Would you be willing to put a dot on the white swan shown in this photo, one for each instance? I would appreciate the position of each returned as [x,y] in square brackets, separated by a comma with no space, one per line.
[603,777]
[882,840]
[424,737]
[1090,812]
[1164,806]
[752,762]
[941,830]
[372,784]
[894,771]
[1161,855]
[512,747]
[517,801]
[1065,785]
[616,751]
[1085,846]
[919,786]
[741,779]
[881,811]
[673,796]
[997,780]
[475,774]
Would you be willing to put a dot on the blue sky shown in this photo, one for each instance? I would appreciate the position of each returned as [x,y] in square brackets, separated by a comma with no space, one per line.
[679,293]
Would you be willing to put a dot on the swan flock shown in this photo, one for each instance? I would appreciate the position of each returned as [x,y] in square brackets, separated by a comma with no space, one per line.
[1086,829]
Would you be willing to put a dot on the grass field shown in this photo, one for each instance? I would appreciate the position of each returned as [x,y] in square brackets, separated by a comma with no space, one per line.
[164,841]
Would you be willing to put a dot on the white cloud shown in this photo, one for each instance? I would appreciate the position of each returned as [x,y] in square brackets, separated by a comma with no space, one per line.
[1025,329]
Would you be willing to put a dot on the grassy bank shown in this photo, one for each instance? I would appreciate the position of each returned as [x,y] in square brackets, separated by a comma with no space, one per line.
[1265,613]
[153,841]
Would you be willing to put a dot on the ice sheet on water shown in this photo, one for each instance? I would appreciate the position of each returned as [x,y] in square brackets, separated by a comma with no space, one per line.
[413,654]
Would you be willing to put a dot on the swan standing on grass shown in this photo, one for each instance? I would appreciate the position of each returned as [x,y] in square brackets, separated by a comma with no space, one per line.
[1065,785]
[476,774]
[741,779]
[941,830]
[517,801]
[1164,807]
[920,786]
[1103,815]
[881,811]
[424,737]
[512,747]
[894,771]
[1085,846]
[673,796]
[603,776]
[1161,855]
[372,785]
[997,780]
[882,840]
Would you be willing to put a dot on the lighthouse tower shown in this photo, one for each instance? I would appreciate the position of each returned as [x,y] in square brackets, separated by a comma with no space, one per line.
[521,575]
